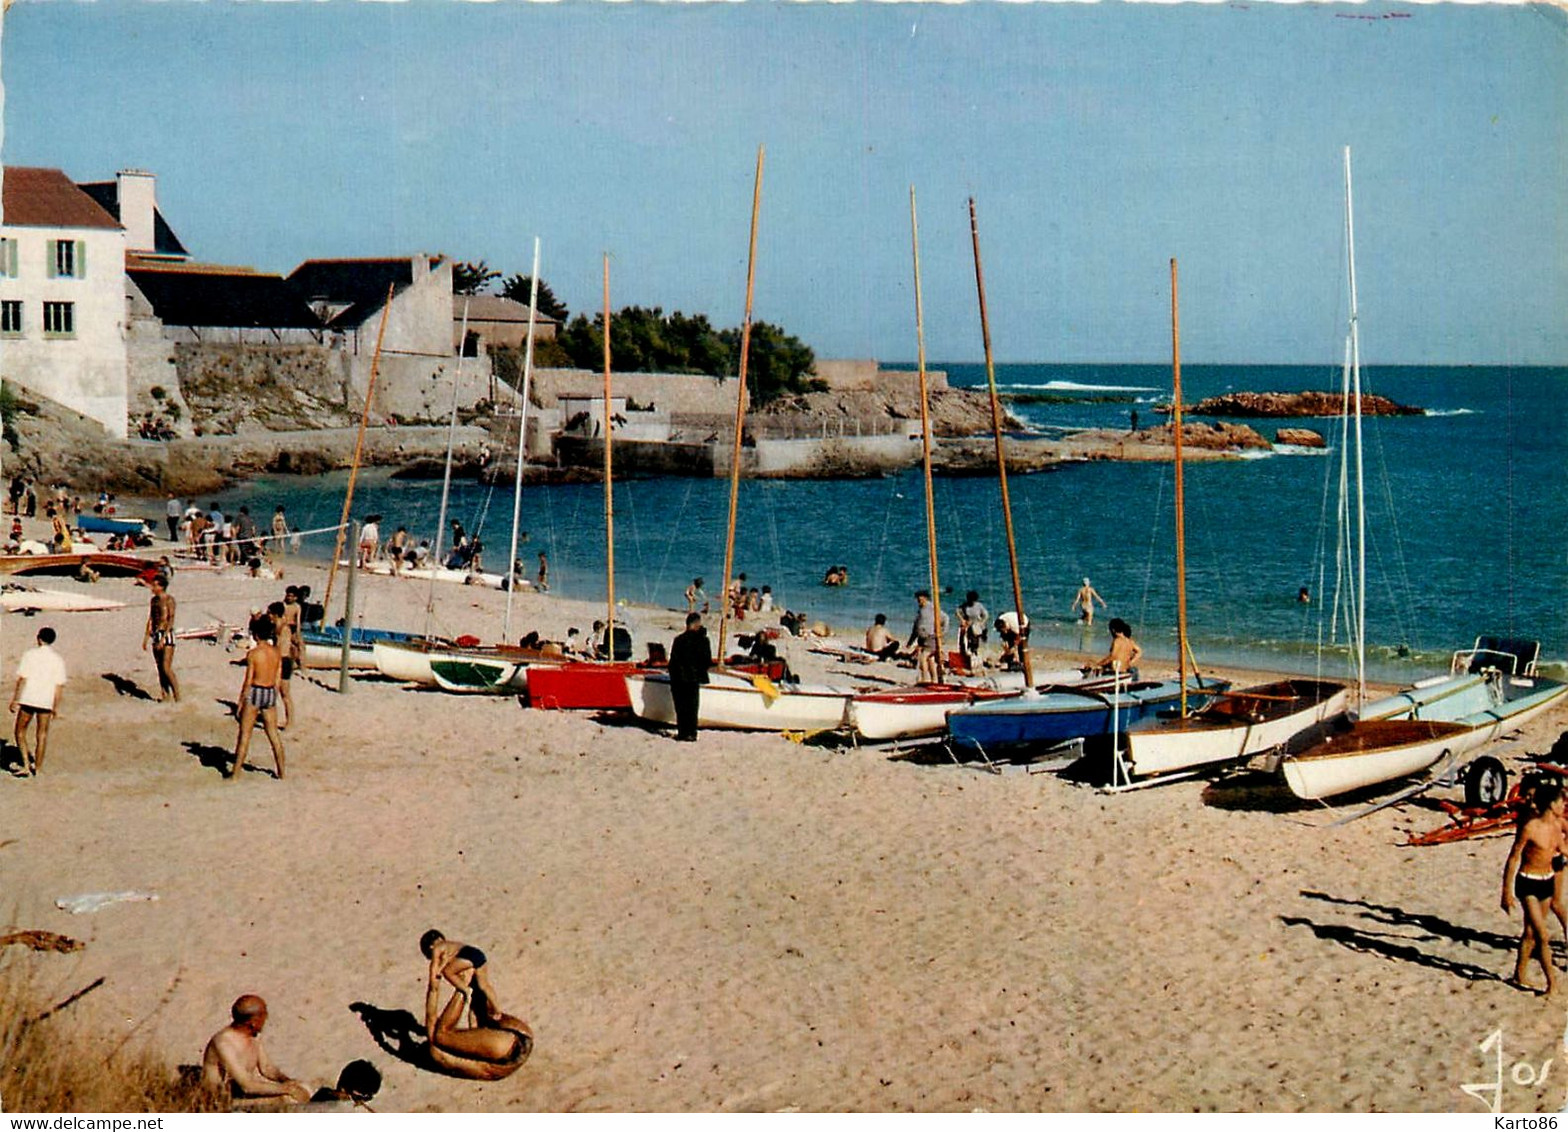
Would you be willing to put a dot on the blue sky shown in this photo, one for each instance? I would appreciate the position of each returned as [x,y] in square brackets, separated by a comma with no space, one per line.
[1099,140]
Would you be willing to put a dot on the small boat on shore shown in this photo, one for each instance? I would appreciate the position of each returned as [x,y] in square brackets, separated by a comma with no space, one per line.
[1235,726]
[323,645]
[744,702]
[106,525]
[1048,716]
[1494,688]
[1371,751]
[104,564]
[910,713]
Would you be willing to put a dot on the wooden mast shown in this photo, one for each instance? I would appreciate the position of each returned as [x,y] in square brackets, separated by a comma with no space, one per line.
[1001,454]
[925,432]
[512,575]
[609,500]
[1181,514]
[359,447]
[740,404]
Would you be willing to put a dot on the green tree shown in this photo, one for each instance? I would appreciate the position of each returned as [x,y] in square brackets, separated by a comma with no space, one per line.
[517,287]
[472,278]
[777,363]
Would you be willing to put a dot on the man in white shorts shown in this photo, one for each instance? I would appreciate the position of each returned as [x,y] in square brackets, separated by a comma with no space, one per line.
[40,677]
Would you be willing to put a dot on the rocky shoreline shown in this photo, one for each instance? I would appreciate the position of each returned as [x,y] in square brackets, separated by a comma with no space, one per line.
[54,445]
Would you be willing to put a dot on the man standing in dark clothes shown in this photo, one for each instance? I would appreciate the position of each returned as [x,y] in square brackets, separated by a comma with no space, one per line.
[690,658]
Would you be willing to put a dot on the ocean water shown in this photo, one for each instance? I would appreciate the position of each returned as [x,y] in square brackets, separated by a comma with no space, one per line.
[1465,510]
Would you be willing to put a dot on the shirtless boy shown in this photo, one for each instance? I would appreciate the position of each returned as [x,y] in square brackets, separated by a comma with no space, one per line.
[259,694]
[159,635]
[1530,875]
[1124,650]
[235,1059]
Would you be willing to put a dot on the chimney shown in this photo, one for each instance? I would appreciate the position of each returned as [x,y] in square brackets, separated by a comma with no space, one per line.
[137,194]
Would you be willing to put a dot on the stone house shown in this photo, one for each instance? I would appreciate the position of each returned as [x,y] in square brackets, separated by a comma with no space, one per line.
[62,295]
[496,321]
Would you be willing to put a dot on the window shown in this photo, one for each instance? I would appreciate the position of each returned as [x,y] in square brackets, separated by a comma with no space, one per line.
[67,259]
[8,258]
[60,320]
[11,316]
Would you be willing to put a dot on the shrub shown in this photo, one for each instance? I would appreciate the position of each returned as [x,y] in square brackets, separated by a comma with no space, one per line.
[50,1062]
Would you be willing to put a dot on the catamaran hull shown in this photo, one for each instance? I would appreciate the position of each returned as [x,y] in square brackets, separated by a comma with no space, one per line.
[731,703]
[1212,737]
[1374,751]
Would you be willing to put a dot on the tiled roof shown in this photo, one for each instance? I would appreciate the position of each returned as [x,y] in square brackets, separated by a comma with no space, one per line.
[209,295]
[360,283]
[107,194]
[47,198]
[494,308]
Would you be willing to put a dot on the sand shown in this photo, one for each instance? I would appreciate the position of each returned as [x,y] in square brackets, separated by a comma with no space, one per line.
[743,923]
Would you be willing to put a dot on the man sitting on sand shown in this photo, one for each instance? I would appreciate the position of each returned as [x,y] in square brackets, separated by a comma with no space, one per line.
[879,641]
[495,1044]
[259,693]
[236,1061]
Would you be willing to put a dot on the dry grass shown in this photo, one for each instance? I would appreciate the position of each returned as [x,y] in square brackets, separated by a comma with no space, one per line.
[51,1062]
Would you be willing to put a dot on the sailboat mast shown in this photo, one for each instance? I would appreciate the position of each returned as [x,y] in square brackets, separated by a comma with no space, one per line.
[1181,513]
[925,432]
[446,476]
[359,447]
[609,497]
[522,439]
[740,404]
[1001,453]
[1355,380]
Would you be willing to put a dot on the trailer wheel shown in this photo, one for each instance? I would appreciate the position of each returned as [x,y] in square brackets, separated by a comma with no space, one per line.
[1486,782]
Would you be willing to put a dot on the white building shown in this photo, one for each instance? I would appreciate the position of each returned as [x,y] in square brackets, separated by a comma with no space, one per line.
[62,296]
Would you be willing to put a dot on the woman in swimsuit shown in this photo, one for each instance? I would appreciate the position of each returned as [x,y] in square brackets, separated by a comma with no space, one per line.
[496,1043]
[1529,874]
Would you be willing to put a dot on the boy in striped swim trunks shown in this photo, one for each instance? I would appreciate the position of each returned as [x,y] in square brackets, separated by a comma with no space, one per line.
[259,693]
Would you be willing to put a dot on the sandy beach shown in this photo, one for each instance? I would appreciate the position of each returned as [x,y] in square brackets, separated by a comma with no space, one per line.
[744,923]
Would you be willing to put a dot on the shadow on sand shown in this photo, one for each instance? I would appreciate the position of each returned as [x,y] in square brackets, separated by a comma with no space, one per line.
[1401,946]
[125,686]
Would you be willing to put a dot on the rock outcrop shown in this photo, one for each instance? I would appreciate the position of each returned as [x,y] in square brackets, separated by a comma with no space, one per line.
[1307,404]
[1300,438]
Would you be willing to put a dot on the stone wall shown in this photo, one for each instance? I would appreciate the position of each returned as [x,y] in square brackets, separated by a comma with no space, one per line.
[233,388]
[673,393]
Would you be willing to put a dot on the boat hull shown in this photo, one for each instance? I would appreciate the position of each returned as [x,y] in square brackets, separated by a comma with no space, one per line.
[736,703]
[581,686]
[106,565]
[1372,751]
[1047,718]
[1235,727]
[478,675]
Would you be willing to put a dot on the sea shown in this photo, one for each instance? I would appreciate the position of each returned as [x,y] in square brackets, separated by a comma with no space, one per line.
[1464,514]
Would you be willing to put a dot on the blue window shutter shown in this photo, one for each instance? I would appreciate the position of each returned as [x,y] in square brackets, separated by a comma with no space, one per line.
[54,258]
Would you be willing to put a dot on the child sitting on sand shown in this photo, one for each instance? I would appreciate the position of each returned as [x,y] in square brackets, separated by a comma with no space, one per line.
[1530,874]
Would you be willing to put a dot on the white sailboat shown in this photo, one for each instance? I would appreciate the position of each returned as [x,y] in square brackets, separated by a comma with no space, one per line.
[1240,723]
[1490,689]
[733,699]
